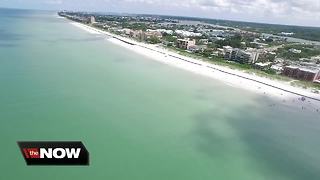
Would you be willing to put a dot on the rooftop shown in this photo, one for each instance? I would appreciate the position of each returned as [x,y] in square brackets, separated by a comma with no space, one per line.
[306,69]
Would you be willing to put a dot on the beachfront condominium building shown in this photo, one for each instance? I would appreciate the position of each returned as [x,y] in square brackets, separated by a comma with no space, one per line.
[139,35]
[302,73]
[227,50]
[92,20]
[241,56]
[254,54]
[185,43]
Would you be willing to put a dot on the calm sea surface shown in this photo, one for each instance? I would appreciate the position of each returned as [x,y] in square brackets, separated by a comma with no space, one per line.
[139,119]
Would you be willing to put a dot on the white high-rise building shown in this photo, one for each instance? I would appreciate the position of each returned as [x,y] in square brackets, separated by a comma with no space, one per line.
[92,20]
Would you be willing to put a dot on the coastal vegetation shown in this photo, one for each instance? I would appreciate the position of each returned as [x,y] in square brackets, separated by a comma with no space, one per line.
[303,32]
[307,51]
[309,33]
[270,74]
[235,47]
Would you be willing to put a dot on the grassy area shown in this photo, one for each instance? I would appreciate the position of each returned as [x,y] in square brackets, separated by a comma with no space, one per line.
[305,85]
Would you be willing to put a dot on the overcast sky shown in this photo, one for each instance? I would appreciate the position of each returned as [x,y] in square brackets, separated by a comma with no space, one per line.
[297,12]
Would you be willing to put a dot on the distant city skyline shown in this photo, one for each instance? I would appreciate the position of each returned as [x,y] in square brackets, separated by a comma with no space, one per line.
[291,12]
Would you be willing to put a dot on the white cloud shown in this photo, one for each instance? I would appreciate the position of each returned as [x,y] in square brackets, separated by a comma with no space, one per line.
[301,12]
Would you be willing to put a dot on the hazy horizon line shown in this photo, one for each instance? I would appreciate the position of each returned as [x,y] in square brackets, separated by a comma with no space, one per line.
[127,13]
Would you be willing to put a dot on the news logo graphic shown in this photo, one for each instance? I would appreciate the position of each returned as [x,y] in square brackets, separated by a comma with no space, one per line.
[65,153]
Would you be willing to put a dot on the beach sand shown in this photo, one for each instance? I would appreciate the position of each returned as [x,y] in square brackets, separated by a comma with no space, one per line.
[282,91]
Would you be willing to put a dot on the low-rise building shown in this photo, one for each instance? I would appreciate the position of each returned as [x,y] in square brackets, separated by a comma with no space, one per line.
[286,34]
[220,52]
[187,33]
[163,31]
[197,48]
[259,45]
[262,66]
[203,41]
[227,50]
[153,33]
[296,51]
[277,68]
[302,73]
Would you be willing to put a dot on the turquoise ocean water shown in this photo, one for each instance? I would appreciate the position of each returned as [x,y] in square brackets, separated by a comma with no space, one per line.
[138,118]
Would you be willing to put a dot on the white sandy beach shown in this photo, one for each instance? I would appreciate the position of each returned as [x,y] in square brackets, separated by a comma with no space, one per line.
[264,86]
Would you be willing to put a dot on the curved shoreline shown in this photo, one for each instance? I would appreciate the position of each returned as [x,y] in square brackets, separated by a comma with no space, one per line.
[248,81]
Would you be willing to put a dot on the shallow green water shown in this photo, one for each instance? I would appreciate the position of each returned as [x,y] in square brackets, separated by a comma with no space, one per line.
[139,119]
